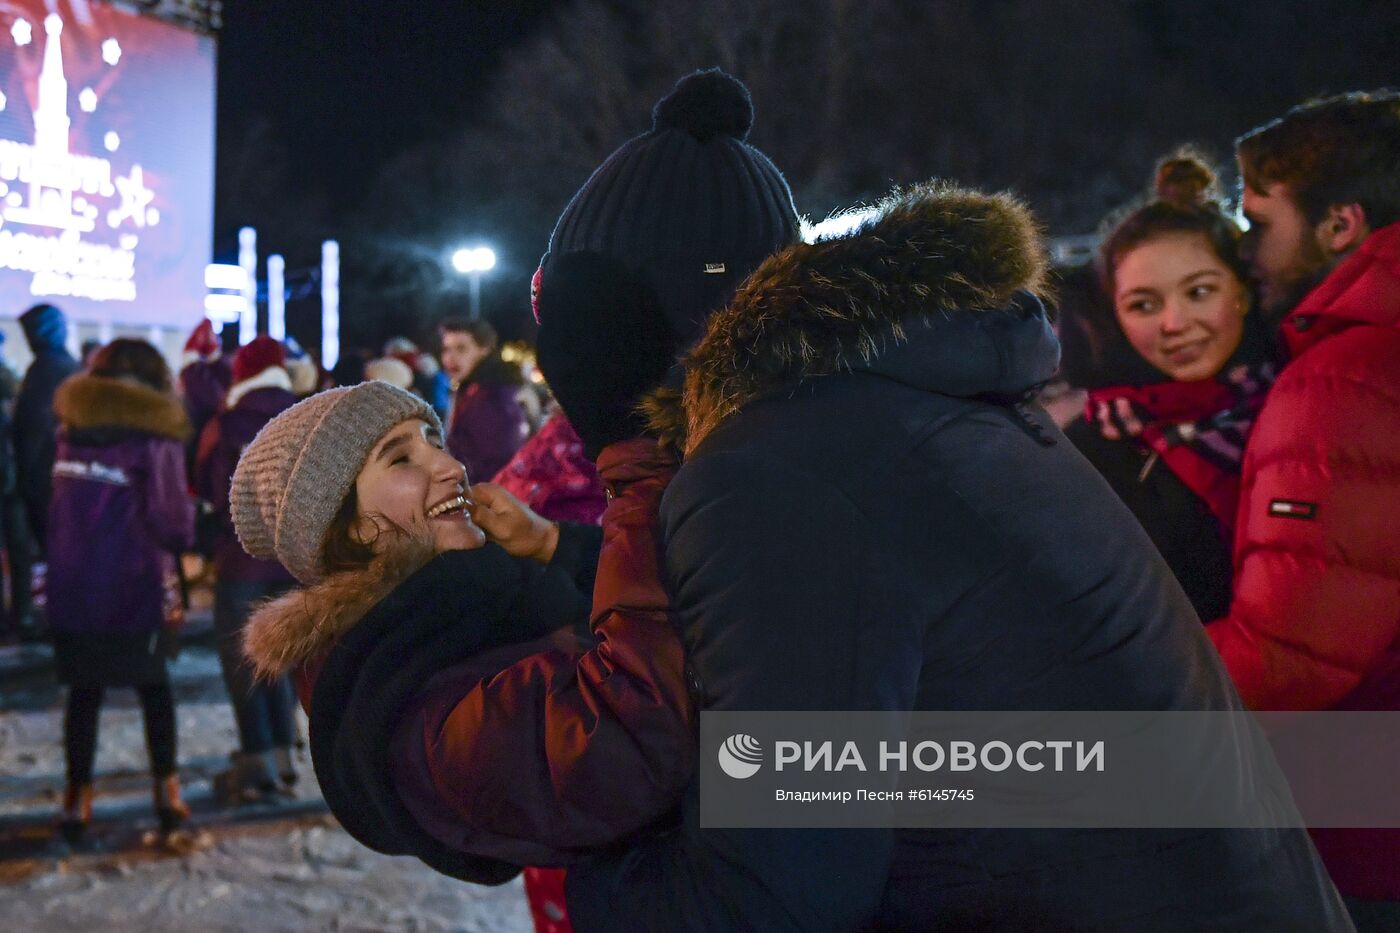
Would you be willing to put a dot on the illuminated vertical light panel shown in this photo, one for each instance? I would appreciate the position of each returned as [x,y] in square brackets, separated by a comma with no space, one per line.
[330,304]
[248,261]
[276,297]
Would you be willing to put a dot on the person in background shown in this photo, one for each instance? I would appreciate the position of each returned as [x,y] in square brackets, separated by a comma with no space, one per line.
[120,514]
[349,370]
[263,710]
[18,620]
[429,381]
[204,380]
[552,475]
[1180,352]
[35,427]
[1315,620]
[393,371]
[89,350]
[306,374]
[487,424]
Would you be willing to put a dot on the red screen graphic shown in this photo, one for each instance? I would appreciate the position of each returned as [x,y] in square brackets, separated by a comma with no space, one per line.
[106,163]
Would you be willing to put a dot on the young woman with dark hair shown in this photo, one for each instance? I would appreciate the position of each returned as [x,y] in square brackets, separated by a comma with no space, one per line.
[119,516]
[1180,369]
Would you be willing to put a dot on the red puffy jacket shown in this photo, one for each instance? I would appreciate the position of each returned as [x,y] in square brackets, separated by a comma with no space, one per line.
[1315,619]
[591,746]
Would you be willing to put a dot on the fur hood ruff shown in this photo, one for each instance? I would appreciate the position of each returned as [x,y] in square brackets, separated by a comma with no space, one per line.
[821,308]
[304,623]
[84,401]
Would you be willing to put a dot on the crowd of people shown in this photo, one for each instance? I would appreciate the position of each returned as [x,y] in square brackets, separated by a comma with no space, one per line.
[779,475]
[115,469]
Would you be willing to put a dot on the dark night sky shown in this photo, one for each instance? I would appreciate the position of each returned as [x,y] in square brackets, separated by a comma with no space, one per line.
[1066,101]
[348,85]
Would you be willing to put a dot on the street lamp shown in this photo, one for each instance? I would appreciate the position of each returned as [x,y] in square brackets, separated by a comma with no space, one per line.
[473,261]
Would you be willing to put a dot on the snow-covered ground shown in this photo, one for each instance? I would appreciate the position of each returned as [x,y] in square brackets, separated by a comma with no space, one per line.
[298,872]
[275,879]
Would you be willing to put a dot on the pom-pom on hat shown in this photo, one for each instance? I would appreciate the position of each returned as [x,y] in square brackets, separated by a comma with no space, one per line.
[293,477]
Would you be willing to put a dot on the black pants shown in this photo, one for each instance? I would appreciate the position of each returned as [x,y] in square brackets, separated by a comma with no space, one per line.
[263,709]
[20,548]
[80,729]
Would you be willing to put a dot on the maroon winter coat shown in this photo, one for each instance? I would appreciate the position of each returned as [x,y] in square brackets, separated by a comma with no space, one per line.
[1315,620]
[203,385]
[488,424]
[529,753]
[120,513]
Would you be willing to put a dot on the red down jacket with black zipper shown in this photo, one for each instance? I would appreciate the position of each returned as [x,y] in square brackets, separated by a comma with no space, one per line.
[1315,619]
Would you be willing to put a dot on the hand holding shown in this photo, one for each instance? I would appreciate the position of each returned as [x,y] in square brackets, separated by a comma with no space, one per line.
[512,524]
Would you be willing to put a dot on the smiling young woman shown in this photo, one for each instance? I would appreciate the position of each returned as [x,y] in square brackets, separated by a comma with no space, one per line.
[441,642]
[1183,370]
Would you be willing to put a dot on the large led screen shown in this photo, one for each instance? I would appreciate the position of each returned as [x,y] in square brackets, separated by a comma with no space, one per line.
[106,163]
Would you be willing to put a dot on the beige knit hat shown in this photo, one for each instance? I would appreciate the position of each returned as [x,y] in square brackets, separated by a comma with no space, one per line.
[292,479]
[387,369]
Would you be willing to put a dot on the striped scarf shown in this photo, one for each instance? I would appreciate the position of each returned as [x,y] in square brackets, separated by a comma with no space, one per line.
[1198,429]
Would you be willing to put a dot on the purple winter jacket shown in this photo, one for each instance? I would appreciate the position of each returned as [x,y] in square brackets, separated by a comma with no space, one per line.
[220,446]
[203,384]
[488,424]
[120,509]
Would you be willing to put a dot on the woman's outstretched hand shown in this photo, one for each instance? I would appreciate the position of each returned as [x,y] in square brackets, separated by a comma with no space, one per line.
[511,523]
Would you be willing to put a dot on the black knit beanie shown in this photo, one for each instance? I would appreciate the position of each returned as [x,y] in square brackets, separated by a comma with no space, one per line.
[690,206]
[655,242]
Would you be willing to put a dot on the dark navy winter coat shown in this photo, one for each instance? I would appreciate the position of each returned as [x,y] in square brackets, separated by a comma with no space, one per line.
[34,425]
[866,520]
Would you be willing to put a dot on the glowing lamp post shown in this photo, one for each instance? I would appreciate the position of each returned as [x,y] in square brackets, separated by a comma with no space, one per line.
[472,262]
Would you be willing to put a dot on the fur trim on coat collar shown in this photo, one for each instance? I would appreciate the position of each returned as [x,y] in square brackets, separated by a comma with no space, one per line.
[304,623]
[84,401]
[816,308]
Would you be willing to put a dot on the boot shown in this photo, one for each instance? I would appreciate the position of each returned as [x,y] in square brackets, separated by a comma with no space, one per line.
[286,768]
[171,809]
[77,813]
[251,779]
[175,835]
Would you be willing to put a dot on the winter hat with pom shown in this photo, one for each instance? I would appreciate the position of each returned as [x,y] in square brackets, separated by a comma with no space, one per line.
[690,205]
[292,478]
[655,241]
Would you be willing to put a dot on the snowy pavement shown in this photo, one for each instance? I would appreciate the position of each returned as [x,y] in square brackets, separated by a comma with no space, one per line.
[288,868]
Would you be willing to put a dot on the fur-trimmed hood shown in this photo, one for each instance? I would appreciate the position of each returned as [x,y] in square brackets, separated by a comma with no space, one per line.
[302,624]
[85,402]
[934,258]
